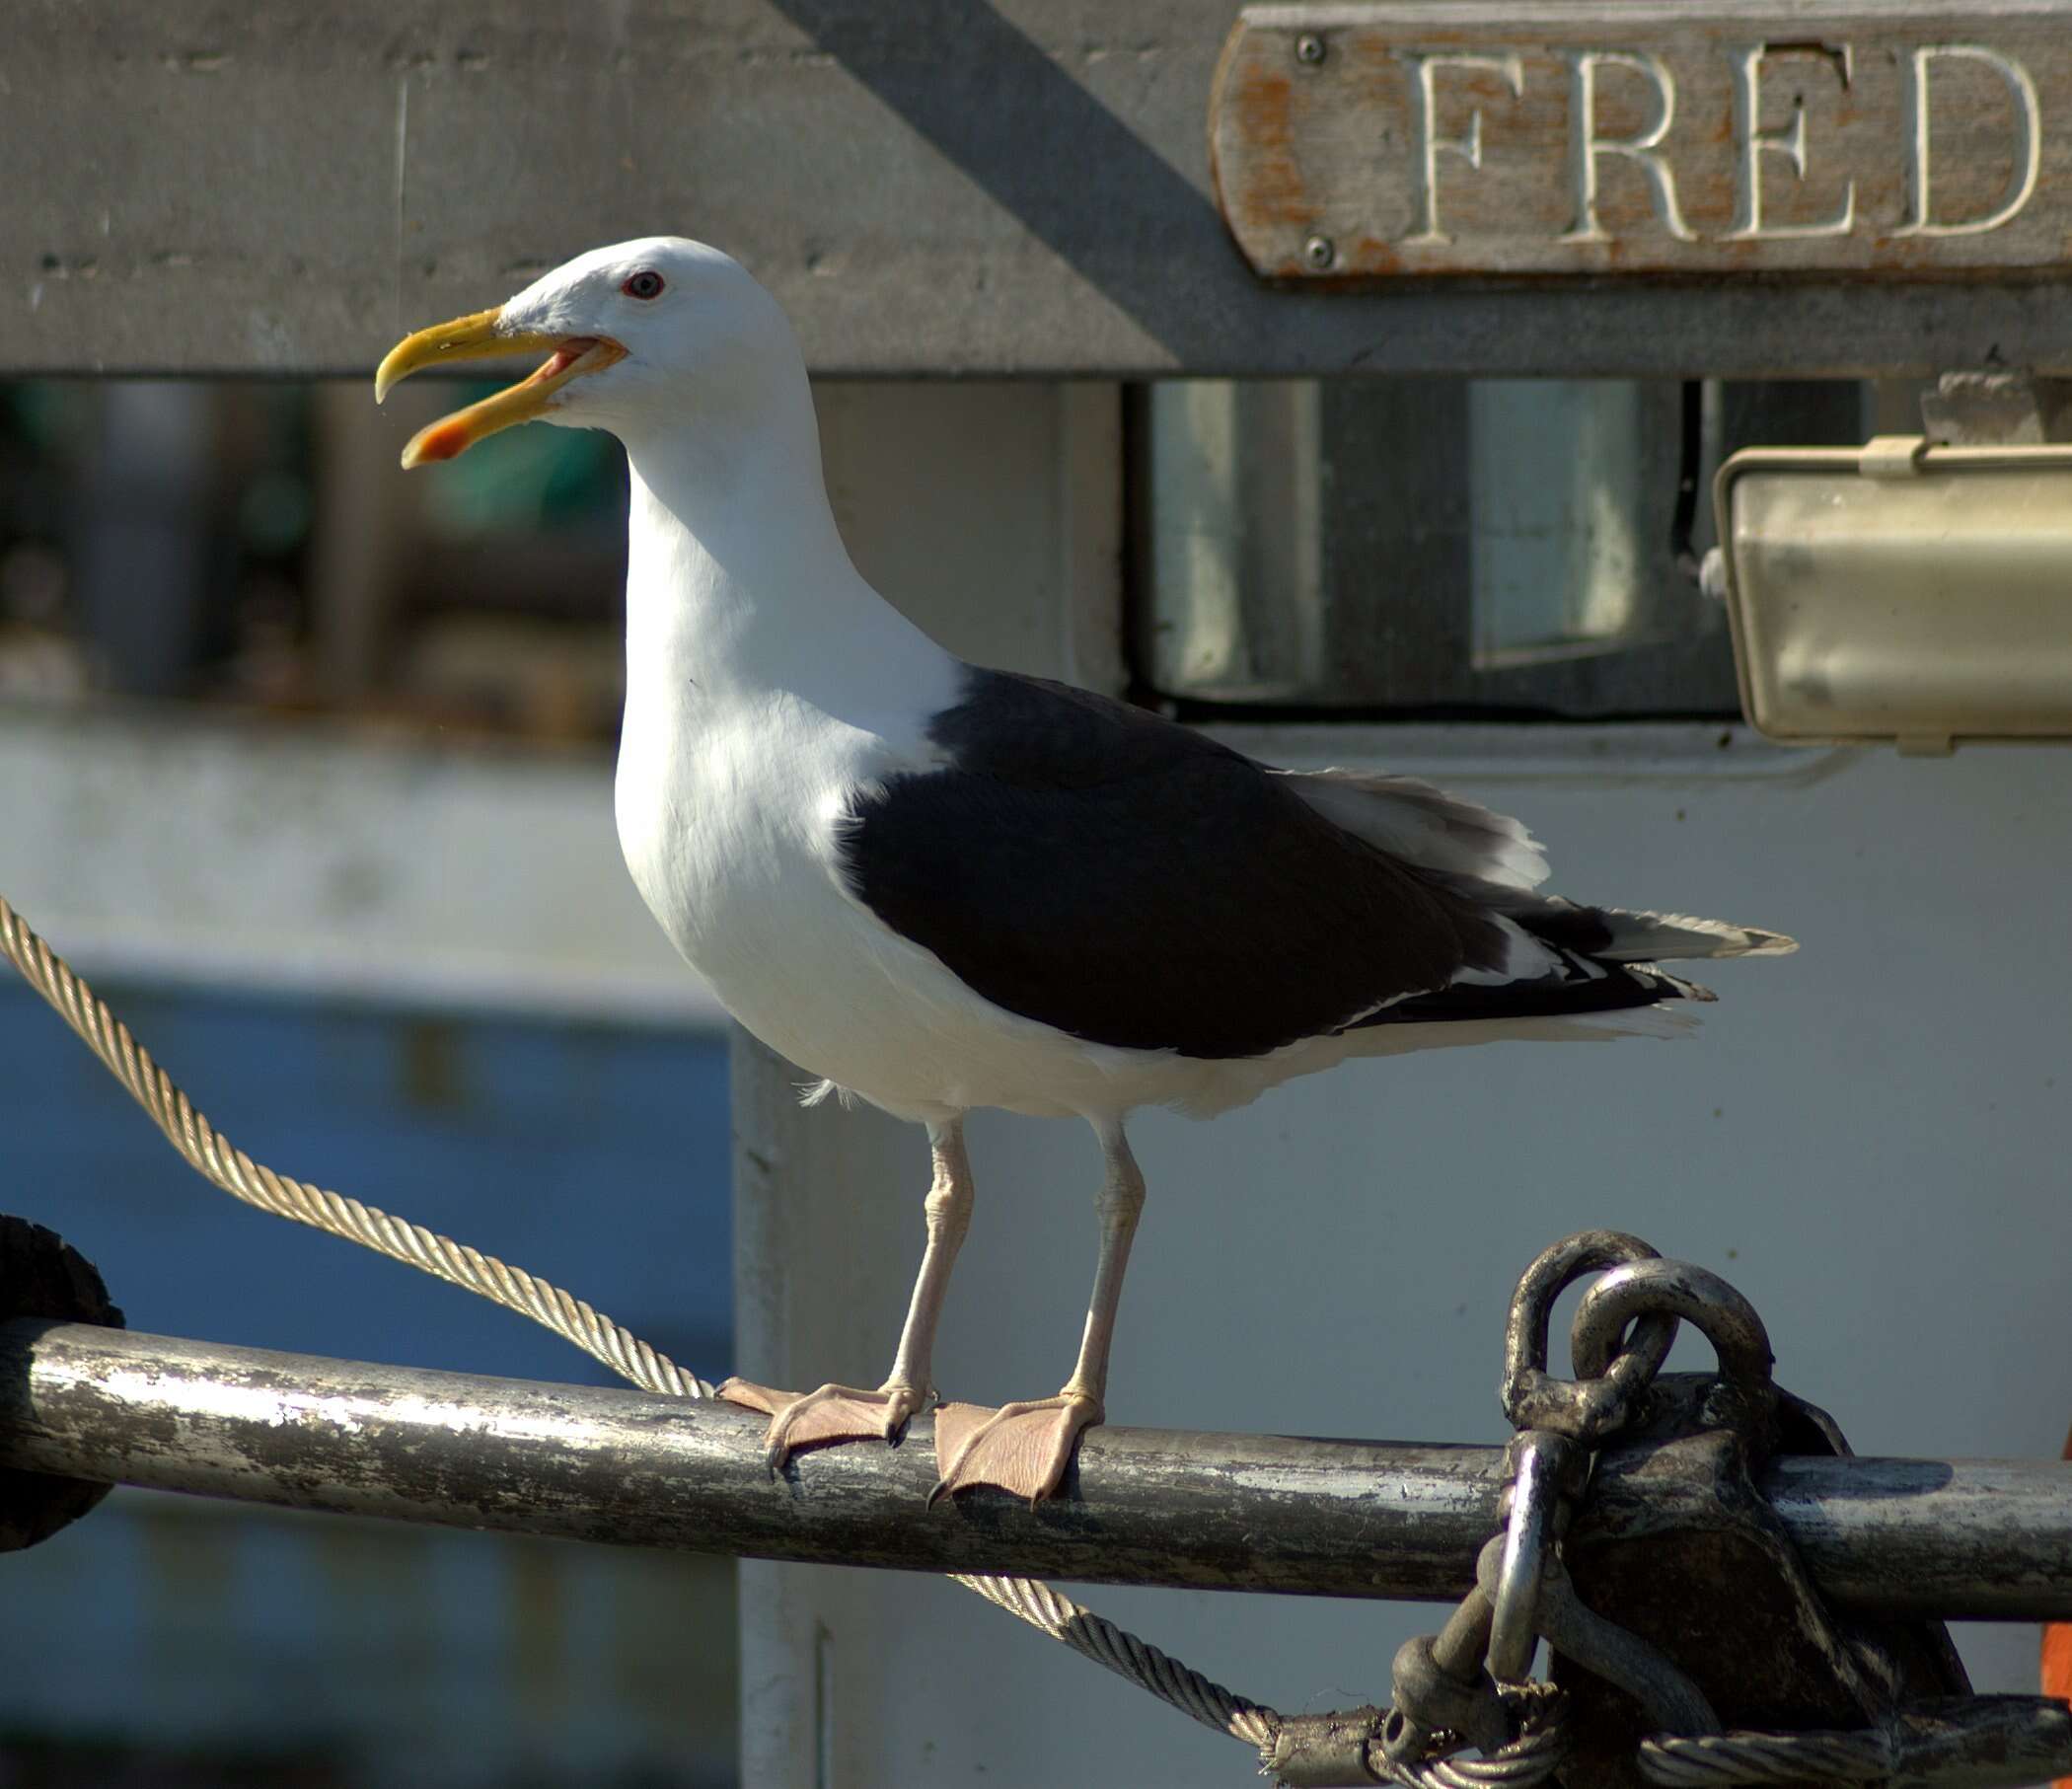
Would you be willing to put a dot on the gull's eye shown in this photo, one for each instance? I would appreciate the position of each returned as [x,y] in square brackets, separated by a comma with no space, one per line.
[647,283]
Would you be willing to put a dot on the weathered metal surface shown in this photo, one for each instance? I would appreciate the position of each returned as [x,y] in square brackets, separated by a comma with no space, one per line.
[1220,1512]
[934,187]
[1968,1539]
[1378,141]
[1718,1586]
[1257,1513]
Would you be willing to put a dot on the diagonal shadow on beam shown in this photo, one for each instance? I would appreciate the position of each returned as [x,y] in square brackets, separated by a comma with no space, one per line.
[1068,170]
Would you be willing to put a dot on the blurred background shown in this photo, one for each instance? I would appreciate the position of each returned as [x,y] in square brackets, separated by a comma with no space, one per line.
[306,764]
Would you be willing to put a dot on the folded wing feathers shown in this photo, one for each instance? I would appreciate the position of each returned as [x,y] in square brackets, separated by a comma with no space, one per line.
[1424,826]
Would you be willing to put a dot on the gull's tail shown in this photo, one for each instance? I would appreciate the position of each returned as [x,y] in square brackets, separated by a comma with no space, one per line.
[1613,934]
[1567,961]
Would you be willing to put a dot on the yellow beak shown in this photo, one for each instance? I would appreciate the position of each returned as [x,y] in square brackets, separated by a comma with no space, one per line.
[477,338]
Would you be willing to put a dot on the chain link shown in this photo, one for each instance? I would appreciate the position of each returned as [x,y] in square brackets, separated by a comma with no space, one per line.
[1455,1683]
[1546,1475]
[1586,1409]
[1539,1714]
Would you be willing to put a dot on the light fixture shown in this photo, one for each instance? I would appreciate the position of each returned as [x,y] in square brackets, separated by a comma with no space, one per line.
[1900,591]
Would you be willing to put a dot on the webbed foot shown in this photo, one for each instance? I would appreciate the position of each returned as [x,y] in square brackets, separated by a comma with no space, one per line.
[1022,1447]
[830,1415]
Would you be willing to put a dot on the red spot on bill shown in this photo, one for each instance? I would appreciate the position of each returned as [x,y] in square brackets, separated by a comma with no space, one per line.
[443,440]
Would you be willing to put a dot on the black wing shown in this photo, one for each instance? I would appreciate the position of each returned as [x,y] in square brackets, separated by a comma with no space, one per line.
[1125,880]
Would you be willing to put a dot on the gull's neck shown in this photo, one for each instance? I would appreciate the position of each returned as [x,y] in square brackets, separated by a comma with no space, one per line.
[738,585]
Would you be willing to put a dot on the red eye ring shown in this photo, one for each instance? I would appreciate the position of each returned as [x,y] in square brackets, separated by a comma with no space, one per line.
[647,283]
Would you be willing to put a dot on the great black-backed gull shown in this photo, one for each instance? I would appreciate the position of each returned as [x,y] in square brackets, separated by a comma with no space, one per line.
[938,887]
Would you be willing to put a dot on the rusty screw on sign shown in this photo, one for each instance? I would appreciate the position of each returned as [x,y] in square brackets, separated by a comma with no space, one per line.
[1319,251]
[1309,49]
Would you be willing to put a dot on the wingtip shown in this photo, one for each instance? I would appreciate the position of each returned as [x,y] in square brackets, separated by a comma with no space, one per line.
[1640,935]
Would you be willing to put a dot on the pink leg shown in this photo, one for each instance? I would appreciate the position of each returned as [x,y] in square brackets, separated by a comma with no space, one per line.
[838,1413]
[1025,1447]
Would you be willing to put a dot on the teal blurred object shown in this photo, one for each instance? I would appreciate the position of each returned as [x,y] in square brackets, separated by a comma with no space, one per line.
[538,478]
[170,1641]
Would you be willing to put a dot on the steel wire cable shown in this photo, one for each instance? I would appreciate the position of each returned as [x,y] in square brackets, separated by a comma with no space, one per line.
[1864,1757]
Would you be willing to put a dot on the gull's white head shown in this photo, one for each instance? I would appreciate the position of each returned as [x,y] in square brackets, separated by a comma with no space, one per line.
[661,332]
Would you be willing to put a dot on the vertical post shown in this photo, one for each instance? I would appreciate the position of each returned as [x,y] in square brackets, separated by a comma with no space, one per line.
[824,1250]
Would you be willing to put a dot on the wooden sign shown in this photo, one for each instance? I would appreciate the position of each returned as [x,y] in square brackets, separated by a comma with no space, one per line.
[1364,141]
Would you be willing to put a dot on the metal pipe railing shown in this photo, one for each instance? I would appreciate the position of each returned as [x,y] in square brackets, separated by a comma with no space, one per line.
[1973,1539]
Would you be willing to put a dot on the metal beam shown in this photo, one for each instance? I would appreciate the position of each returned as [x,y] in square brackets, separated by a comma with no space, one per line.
[1977,1539]
[941,187]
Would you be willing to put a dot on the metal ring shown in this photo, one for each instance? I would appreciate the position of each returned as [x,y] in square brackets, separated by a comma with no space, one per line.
[1641,1290]
[1527,1541]
[1594,1406]
[1670,1700]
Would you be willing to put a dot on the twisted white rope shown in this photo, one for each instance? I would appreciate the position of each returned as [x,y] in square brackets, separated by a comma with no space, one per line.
[218,1160]
[1095,1637]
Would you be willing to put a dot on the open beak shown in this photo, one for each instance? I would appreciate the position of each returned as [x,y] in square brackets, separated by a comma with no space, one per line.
[477,338]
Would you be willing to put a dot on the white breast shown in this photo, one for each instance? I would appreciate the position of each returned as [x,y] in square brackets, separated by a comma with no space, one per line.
[728,812]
